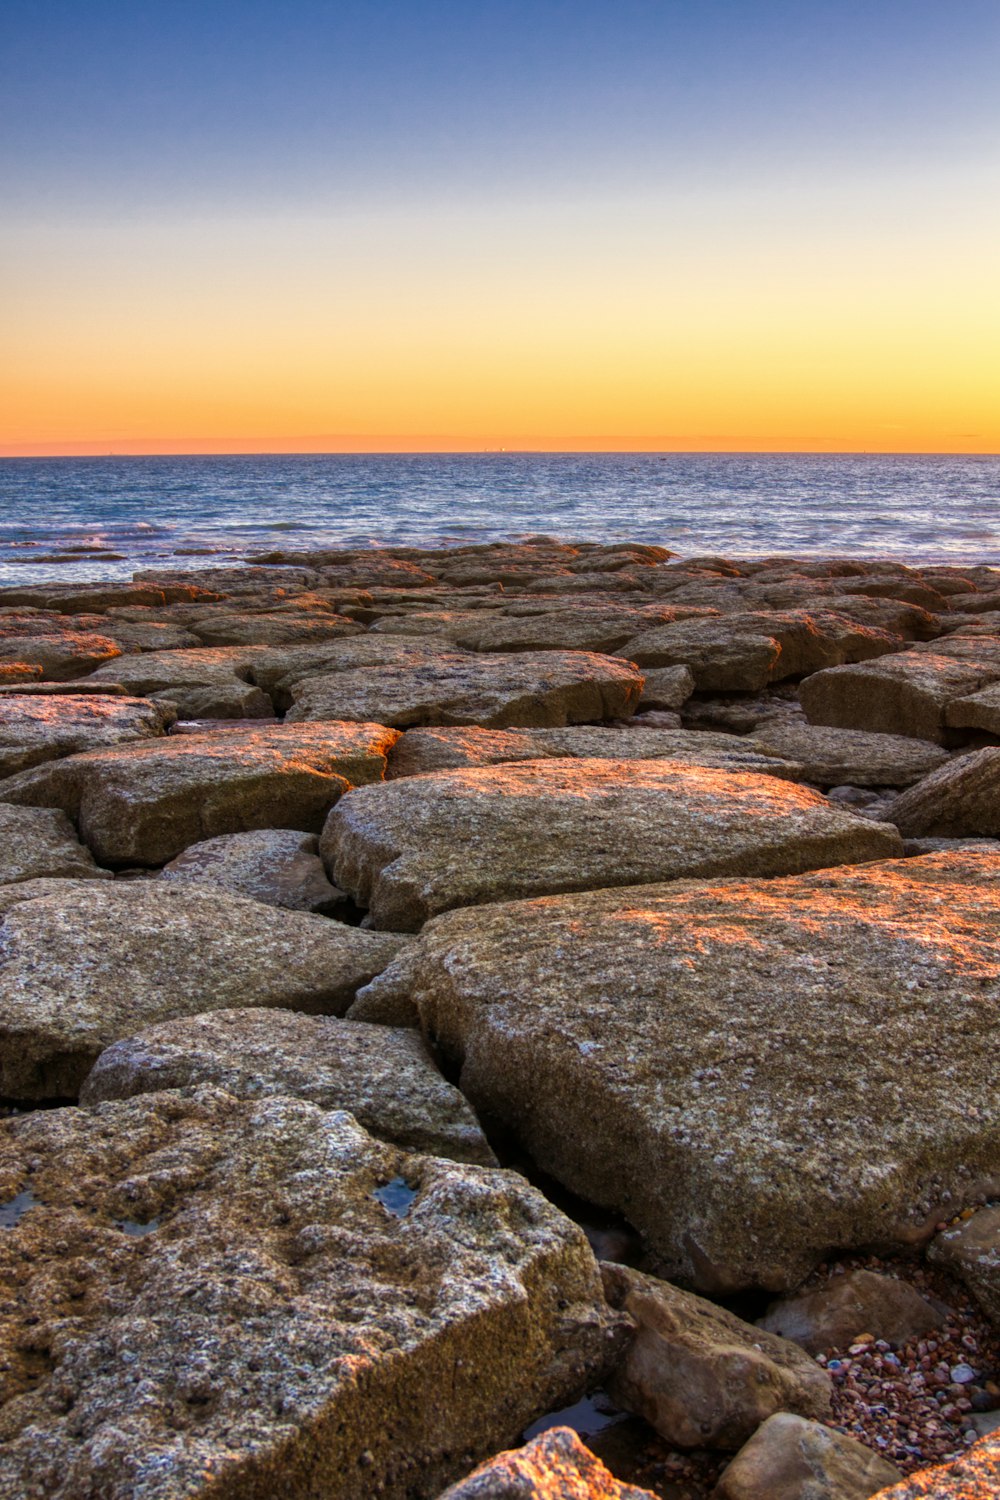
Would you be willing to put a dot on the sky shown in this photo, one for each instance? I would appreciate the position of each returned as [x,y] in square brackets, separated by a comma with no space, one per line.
[690,225]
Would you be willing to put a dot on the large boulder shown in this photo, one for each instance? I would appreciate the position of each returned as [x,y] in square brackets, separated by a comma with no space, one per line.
[555,1465]
[977,711]
[971,1250]
[750,1071]
[959,800]
[61,654]
[973,1476]
[790,1458]
[699,1375]
[40,843]
[408,849]
[442,687]
[83,963]
[908,694]
[203,683]
[143,803]
[421,750]
[35,727]
[279,866]
[384,1076]
[231,627]
[208,1296]
[833,757]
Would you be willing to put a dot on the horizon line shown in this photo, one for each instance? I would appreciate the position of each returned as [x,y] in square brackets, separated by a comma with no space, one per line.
[95,452]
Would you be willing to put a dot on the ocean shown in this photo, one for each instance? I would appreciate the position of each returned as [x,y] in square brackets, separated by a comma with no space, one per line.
[78,518]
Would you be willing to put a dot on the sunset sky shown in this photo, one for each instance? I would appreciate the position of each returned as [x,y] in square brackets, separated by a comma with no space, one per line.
[722,225]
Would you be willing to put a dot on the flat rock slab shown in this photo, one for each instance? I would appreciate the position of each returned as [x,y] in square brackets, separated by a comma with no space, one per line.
[61,655]
[271,628]
[144,803]
[279,866]
[790,1458]
[974,1476]
[83,964]
[422,750]
[205,682]
[960,800]
[384,1076]
[833,757]
[409,849]
[40,842]
[532,688]
[555,1465]
[36,727]
[908,694]
[978,711]
[212,1296]
[750,1071]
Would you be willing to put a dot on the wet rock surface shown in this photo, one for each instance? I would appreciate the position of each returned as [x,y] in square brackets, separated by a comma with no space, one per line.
[84,963]
[208,1295]
[411,848]
[384,1077]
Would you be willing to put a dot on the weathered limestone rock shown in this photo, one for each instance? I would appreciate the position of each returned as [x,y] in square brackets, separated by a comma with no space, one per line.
[750,1071]
[833,1314]
[555,1465]
[586,629]
[699,1375]
[144,803]
[212,1296]
[71,598]
[411,848]
[738,713]
[960,800]
[831,757]
[906,694]
[449,749]
[61,654]
[278,866]
[83,964]
[977,711]
[667,687]
[972,1251]
[520,688]
[272,628]
[211,682]
[40,842]
[789,1458]
[743,652]
[974,1476]
[35,727]
[383,1076]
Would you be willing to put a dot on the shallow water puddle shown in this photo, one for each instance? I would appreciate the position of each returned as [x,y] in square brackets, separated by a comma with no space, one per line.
[397,1196]
[15,1209]
[136,1228]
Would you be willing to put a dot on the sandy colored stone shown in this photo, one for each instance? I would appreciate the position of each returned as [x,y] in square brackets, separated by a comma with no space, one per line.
[144,803]
[448,749]
[700,1376]
[441,687]
[383,1076]
[973,1476]
[209,1297]
[750,1071]
[411,848]
[278,866]
[35,727]
[667,687]
[555,1465]
[960,800]
[271,627]
[789,1458]
[207,682]
[833,1314]
[831,757]
[39,843]
[907,694]
[977,711]
[84,963]
[563,629]
[972,1251]
[71,598]
[61,654]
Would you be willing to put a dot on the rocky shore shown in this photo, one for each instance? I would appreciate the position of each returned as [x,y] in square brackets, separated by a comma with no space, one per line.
[506,1021]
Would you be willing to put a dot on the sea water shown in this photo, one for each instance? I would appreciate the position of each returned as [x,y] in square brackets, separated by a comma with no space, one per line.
[76,518]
